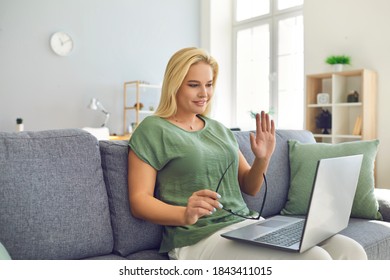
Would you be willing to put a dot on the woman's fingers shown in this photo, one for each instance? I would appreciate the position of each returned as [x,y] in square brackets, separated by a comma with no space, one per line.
[263,122]
[263,142]
[202,203]
[207,193]
[206,199]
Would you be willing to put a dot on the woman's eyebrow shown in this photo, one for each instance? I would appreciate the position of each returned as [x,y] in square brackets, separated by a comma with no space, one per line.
[195,81]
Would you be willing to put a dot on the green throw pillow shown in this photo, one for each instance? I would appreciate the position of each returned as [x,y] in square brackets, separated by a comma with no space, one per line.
[303,162]
[3,253]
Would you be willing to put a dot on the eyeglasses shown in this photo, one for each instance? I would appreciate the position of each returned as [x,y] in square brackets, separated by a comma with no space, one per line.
[237,214]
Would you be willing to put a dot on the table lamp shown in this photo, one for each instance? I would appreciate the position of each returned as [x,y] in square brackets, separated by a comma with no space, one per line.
[97,105]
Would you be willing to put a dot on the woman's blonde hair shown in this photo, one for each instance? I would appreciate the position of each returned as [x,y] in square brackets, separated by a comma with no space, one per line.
[176,71]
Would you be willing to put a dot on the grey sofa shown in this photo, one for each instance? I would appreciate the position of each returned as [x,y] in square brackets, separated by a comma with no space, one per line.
[63,195]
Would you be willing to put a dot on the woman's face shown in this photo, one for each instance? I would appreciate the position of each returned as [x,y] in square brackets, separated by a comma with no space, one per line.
[196,90]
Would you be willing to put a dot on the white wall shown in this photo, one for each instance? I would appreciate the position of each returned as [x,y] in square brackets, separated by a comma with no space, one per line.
[115,41]
[356,28]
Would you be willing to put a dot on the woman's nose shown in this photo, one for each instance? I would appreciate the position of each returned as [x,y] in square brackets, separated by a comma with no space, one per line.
[203,92]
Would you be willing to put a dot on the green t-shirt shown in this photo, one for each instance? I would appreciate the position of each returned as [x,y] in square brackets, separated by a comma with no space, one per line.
[188,161]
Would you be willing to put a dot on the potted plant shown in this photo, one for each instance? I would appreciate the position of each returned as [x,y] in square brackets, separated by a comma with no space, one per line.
[338,61]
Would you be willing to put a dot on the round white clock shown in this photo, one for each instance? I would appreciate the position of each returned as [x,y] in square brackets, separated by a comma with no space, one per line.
[61,43]
[323,98]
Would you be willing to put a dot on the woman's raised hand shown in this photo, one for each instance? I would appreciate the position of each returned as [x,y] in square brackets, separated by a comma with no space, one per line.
[263,143]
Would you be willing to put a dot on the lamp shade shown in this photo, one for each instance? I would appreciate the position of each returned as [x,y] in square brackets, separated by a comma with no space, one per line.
[93,104]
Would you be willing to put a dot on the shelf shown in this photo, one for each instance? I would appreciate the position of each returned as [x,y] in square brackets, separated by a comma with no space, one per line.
[337,136]
[142,84]
[351,121]
[351,104]
[319,105]
[348,136]
[322,135]
[138,92]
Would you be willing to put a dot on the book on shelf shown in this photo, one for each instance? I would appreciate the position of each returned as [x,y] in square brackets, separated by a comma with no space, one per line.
[357,130]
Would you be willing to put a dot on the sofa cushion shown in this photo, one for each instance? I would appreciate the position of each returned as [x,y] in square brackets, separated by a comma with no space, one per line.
[111,257]
[278,173]
[373,235]
[148,255]
[303,162]
[130,234]
[53,201]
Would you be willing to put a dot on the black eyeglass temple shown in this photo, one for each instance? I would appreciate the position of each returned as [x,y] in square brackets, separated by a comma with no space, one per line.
[223,175]
[262,205]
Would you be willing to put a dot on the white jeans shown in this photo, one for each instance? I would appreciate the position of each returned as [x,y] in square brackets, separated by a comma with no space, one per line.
[216,247]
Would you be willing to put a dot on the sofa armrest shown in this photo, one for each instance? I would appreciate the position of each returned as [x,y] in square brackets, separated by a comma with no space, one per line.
[383,197]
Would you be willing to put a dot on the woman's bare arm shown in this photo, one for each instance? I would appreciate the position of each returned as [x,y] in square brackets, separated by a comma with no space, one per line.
[263,146]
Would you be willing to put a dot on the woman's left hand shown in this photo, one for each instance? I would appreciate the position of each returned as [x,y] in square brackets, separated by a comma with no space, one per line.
[263,143]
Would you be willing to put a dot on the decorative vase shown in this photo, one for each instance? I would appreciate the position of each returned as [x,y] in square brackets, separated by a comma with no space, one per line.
[324,121]
[19,124]
[338,67]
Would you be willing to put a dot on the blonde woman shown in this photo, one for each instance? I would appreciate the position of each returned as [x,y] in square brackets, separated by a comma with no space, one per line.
[179,155]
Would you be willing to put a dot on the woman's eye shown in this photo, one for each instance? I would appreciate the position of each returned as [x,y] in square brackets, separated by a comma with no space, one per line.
[197,85]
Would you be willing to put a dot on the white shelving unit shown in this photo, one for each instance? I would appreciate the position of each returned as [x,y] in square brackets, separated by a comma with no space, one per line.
[351,121]
[133,97]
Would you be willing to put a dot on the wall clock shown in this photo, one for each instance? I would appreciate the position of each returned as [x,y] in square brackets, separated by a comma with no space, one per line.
[61,43]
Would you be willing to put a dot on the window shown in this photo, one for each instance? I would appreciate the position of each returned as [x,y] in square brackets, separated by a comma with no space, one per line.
[268,37]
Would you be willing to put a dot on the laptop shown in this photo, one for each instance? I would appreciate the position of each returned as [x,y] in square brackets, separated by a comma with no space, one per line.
[328,213]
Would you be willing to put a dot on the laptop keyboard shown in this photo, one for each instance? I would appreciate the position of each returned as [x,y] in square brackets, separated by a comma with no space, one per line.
[285,236]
